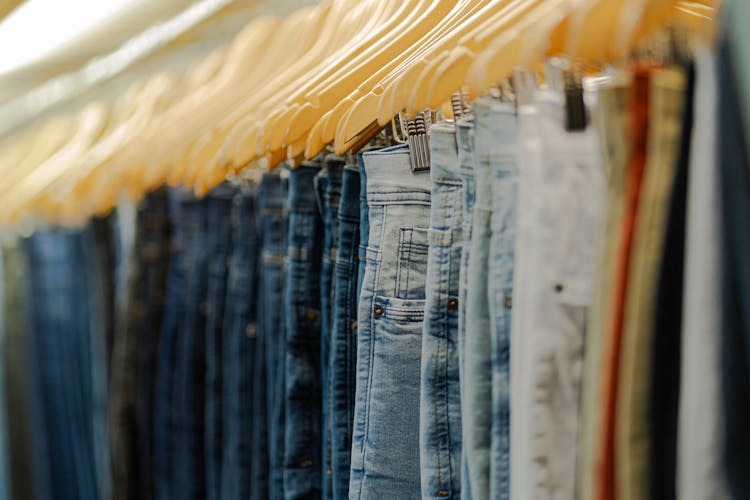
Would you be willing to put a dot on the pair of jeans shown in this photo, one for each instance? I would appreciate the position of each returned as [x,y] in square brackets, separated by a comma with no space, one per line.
[302,446]
[465,141]
[165,403]
[329,195]
[240,346]
[440,397]
[60,365]
[218,242]
[343,354]
[271,320]
[100,257]
[190,356]
[385,443]
[146,308]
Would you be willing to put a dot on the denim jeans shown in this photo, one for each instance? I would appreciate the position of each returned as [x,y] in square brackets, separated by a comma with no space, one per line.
[218,241]
[302,447]
[343,355]
[165,402]
[477,380]
[502,139]
[385,447]
[329,194]
[271,320]
[465,140]
[364,221]
[100,258]
[60,365]
[190,355]
[146,308]
[239,358]
[440,398]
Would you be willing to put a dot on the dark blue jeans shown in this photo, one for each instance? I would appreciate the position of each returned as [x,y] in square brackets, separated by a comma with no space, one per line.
[343,355]
[302,447]
[60,365]
[240,346]
[190,356]
[219,240]
[271,321]
[165,410]
[364,221]
[329,194]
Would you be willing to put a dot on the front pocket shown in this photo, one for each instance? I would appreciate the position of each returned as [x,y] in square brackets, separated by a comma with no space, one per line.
[411,271]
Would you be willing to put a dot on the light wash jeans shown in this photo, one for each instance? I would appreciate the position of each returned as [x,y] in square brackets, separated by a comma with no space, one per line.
[385,443]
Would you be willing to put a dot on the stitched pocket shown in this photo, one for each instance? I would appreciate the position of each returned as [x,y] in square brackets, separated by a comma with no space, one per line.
[411,272]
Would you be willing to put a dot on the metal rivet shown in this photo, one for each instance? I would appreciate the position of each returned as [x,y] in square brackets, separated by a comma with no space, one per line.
[312,315]
[558,288]
[250,330]
[508,301]
[379,311]
[353,326]
[453,304]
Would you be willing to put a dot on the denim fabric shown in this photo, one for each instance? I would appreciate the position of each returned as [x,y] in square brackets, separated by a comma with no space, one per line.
[465,140]
[165,401]
[99,254]
[17,386]
[190,356]
[219,240]
[385,443]
[502,137]
[60,365]
[239,354]
[343,355]
[329,195]
[302,444]
[271,321]
[477,380]
[146,307]
[440,398]
[364,221]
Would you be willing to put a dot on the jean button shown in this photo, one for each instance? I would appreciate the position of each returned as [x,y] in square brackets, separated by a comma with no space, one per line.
[508,301]
[312,315]
[453,304]
[379,311]
[353,327]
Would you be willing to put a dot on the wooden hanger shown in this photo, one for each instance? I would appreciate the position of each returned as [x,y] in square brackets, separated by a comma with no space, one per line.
[211,150]
[361,101]
[244,148]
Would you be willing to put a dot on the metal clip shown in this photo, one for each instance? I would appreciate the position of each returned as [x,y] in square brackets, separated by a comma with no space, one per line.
[419,147]
[575,108]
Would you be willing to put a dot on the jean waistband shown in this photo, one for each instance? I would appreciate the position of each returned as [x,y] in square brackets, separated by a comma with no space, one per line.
[443,152]
[389,172]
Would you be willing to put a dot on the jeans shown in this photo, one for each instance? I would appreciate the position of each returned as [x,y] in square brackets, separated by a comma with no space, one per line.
[364,221]
[271,321]
[385,447]
[502,138]
[239,357]
[440,398]
[148,294]
[465,140]
[190,355]
[343,355]
[99,254]
[329,193]
[59,357]
[302,445]
[218,241]
[165,402]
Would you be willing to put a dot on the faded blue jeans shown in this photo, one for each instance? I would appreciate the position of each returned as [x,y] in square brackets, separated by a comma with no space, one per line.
[343,355]
[328,185]
[302,449]
[239,348]
[219,241]
[385,448]
[440,398]
[271,320]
